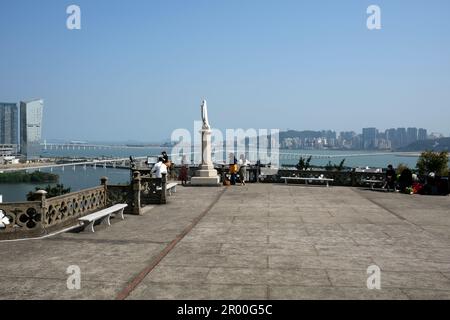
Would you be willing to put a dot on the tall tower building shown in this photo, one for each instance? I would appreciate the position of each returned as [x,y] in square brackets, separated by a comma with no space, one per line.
[422,135]
[31,128]
[9,123]
[401,137]
[369,137]
[411,135]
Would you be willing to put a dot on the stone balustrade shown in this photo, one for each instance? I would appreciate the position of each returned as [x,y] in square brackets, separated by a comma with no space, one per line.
[47,215]
[65,210]
[24,218]
[341,178]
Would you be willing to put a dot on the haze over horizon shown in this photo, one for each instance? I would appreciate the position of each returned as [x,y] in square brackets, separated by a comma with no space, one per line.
[138,70]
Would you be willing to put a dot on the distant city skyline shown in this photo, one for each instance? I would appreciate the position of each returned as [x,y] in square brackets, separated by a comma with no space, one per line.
[367,139]
[297,64]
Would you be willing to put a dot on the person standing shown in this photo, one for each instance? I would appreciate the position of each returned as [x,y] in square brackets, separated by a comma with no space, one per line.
[390,178]
[243,163]
[183,172]
[233,170]
[159,168]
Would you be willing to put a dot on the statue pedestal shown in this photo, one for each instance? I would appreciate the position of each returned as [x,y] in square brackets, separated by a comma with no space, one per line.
[205,181]
[206,175]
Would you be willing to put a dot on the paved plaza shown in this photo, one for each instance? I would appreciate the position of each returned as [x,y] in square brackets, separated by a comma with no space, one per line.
[260,241]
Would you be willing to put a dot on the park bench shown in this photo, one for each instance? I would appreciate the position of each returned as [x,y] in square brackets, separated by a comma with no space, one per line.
[326,180]
[373,182]
[103,215]
[171,187]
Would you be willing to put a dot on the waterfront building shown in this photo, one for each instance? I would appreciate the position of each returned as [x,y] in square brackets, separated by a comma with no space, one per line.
[7,150]
[422,135]
[31,113]
[401,137]
[391,135]
[9,123]
[411,135]
[369,138]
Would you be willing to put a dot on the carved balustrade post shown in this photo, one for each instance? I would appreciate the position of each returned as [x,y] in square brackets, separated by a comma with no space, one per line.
[104,183]
[41,195]
[137,193]
[163,188]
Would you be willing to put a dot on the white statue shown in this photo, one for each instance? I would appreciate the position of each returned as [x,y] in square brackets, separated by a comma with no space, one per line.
[205,120]
[206,175]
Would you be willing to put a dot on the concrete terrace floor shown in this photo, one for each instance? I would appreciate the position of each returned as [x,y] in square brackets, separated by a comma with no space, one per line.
[261,241]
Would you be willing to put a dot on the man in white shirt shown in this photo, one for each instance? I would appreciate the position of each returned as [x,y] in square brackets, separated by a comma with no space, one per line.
[159,168]
[243,163]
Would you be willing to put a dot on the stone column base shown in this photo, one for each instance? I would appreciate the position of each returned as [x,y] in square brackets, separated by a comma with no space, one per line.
[205,181]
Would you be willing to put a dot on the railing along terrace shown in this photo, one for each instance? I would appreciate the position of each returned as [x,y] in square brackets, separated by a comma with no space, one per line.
[47,215]
[24,218]
[341,178]
[146,189]
[64,210]
[119,194]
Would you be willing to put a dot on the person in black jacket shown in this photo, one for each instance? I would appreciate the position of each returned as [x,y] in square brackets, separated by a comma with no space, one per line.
[390,178]
[405,181]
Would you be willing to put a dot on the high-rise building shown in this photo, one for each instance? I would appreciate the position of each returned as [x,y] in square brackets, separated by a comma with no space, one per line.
[391,135]
[9,123]
[411,135]
[369,138]
[401,137]
[31,127]
[357,142]
[422,135]
[347,135]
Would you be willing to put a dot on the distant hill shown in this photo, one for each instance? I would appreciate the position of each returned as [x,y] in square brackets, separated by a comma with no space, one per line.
[442,144]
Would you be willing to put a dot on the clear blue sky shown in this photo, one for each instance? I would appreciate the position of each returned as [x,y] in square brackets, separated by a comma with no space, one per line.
[138,69]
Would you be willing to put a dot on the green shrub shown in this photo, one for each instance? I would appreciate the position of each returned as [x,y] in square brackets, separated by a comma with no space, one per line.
[436,162]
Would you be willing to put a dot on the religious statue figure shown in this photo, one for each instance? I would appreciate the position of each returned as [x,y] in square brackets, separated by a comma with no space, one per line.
[206,175]
[205,120]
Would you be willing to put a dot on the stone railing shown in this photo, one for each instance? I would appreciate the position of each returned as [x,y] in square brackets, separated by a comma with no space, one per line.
[44,216]
[146,189]
[341,178]
[120,194]
[64,210]
[24,218]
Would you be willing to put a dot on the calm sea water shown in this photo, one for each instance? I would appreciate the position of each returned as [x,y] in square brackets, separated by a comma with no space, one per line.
[81,179]
[352,158]
[76,180]
[289,157]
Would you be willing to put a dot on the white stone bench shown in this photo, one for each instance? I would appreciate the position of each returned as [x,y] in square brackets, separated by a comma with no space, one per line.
[326,180]
[171,187]
[373,182]
[103,215]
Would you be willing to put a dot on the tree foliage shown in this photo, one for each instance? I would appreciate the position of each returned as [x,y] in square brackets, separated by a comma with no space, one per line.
[24,177]
[401,167]
[304,164]
[52,191]
[436,162]
[331,167]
